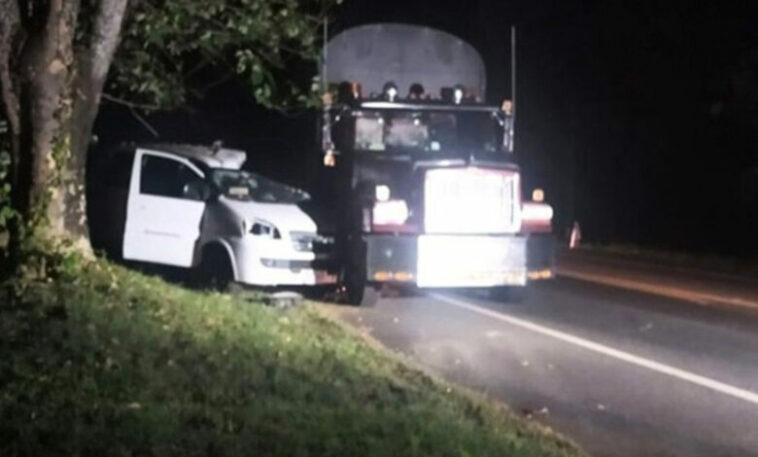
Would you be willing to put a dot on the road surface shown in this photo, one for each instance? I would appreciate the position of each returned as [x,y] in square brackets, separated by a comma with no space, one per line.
[621,372]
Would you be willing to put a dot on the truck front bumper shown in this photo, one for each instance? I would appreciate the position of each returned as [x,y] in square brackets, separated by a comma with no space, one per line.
[458,260]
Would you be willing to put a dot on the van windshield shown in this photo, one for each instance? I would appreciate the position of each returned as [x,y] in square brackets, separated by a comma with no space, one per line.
[247,186]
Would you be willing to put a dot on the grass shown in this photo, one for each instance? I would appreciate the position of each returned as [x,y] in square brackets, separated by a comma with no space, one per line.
[104,361]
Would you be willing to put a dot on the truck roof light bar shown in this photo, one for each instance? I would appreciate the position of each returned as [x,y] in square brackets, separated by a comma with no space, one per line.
[414,105]
[416,92]
[458,95]
[390,91]
[347,92]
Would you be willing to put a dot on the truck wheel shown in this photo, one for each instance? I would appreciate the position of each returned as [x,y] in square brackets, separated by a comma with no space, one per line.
[371,296]
[357,291]
[509,294]
[215,271]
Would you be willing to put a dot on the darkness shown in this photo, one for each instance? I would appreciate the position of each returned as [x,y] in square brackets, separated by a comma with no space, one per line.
[640,120]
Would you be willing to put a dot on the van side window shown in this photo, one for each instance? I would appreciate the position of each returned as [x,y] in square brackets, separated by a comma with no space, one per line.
[165,177]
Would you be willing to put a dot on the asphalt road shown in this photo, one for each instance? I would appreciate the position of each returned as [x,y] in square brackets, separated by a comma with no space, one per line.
[622,373]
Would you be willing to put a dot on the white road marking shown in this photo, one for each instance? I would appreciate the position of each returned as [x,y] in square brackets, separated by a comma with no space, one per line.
[708,383]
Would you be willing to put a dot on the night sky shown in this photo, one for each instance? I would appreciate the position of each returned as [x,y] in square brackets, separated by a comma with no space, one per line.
[639,119]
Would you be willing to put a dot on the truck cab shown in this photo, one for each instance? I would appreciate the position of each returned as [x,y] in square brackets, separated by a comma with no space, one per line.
[429,189]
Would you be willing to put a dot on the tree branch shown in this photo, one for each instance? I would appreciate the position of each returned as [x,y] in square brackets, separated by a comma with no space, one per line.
[129,104]
[144,123]
[93,63]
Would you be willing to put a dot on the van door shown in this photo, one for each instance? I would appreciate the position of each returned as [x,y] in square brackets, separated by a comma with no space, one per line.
[163,219]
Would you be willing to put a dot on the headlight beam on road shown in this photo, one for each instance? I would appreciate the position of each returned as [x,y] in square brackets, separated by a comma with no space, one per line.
[678,373]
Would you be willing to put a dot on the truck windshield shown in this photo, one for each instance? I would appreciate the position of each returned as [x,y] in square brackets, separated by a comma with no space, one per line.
[426,131]
[246,186]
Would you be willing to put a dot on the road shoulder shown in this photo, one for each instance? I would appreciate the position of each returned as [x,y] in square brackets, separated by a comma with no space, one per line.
[698,286]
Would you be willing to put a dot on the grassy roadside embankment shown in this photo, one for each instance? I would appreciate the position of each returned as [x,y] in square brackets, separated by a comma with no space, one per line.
[104,361]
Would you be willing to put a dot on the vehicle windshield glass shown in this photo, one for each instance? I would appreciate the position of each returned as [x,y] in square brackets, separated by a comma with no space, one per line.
[246,186]
[426,131]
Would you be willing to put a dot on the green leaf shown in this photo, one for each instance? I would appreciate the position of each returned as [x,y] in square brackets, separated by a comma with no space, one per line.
[162,39]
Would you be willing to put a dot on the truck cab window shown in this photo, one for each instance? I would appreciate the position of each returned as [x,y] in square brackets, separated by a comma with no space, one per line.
[166,177]
[425,132]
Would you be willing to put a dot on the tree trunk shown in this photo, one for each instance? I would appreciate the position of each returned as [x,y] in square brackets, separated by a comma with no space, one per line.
[9,25]
[92,69]
[48,74]
[50,95]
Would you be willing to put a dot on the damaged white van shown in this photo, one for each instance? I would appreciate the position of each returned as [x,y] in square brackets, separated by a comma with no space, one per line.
[194,207]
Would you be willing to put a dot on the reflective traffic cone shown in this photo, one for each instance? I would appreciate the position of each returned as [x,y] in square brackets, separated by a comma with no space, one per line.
[576,236]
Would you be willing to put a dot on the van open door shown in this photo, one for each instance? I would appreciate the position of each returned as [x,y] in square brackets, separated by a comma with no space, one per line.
[165,209]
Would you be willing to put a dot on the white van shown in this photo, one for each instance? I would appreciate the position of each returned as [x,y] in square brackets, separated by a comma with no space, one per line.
[194,207]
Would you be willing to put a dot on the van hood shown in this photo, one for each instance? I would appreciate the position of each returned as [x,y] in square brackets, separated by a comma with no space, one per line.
[287,217]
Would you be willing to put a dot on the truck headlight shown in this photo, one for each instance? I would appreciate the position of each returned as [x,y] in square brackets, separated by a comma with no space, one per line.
[392,212]
[382,192]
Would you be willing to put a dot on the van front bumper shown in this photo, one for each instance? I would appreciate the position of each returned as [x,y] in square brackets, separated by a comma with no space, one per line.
[266,262]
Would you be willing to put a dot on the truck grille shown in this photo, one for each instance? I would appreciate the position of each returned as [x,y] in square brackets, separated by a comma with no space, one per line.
[471,200]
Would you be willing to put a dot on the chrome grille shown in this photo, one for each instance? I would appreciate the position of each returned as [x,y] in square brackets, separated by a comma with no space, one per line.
[471,200]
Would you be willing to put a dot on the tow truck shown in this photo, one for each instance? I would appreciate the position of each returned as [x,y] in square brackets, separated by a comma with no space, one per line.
[427,189]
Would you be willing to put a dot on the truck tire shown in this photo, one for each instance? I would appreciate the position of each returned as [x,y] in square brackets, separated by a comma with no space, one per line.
[366,297]
[358,292]
[509,294]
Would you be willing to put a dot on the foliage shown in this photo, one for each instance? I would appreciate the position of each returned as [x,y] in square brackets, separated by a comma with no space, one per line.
[98,360]
[7,212]
[55,57]
[169,46]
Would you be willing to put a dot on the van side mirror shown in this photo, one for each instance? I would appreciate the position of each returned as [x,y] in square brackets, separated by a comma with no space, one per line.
[197,190]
